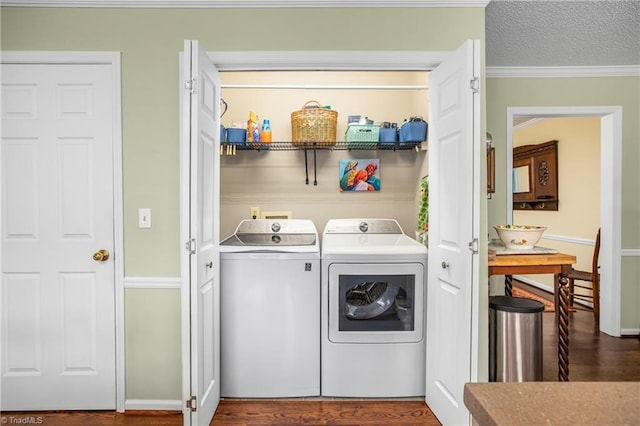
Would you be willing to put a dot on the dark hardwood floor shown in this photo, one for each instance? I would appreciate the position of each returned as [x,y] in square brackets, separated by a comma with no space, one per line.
[593,356]
[324,412]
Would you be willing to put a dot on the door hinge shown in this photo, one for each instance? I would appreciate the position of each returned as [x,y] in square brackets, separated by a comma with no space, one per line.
[190,246]
[474,85]
[473,246]
[192,403]
[191,85]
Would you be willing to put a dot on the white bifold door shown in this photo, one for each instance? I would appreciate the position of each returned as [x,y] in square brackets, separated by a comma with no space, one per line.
[58,308]
[454,188]
[200,233]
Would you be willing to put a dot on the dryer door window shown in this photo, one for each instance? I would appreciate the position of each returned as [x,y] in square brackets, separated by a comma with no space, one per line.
[376,303]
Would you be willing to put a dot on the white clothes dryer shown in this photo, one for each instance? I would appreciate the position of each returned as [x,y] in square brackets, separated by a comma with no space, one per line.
[373,310]
[270,310]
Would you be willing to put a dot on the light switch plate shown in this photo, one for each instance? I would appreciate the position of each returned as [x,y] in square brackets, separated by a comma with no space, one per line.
[144,218]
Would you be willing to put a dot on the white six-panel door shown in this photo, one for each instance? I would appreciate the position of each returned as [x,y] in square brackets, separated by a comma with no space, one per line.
[453,225]
[58,308]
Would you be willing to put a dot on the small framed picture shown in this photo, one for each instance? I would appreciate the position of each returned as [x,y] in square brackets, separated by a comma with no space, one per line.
[359,175]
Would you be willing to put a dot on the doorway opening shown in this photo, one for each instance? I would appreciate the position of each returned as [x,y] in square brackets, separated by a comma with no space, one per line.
[610,195]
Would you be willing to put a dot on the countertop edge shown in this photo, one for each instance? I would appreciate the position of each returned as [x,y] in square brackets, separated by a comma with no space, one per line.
[557,403]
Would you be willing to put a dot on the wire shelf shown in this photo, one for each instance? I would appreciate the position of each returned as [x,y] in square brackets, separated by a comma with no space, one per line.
[338,146]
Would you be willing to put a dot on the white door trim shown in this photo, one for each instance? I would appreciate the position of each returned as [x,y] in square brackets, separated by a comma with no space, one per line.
[112,59]
[323,60]
[327,60]
[610,196]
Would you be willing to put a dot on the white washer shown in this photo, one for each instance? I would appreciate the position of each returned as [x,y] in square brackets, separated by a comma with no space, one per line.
[270,310]
[373,310]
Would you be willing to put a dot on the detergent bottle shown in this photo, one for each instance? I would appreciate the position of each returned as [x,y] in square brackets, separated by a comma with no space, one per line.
[253,128]
[265,133]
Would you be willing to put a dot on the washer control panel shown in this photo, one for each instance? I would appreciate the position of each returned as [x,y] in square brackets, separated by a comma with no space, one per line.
[275,226]
[273,232]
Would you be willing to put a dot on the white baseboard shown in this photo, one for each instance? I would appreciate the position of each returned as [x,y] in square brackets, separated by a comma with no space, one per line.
[629,332]
[153,404]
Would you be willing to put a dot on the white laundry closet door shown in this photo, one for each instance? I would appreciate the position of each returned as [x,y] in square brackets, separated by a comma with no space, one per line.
[200,193]
[454,139]
[58,309]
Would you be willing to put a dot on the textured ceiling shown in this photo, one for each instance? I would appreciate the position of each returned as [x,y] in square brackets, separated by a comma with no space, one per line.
[534,33]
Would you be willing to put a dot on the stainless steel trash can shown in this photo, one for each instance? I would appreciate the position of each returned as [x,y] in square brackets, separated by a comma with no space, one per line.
[515,339]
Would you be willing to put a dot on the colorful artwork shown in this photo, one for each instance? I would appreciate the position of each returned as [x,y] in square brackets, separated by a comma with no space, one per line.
[359,175]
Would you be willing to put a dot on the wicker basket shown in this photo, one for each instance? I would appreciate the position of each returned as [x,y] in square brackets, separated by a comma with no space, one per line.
[314,124]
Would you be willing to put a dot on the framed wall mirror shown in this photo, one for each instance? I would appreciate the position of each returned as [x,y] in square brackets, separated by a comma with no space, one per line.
[521,179]
[535,176]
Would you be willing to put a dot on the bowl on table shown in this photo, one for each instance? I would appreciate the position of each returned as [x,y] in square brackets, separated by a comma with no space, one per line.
[521,237]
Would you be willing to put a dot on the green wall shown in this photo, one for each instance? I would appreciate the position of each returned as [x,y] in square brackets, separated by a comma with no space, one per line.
[153,344]
[565,92]
[150,40]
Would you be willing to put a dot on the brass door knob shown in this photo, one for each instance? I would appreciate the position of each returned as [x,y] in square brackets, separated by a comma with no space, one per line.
[101,255]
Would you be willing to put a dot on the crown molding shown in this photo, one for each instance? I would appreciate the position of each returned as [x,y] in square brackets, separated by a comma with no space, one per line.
[554,72]
[179,4]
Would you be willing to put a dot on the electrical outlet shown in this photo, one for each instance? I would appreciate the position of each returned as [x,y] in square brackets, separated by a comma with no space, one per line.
[254,213]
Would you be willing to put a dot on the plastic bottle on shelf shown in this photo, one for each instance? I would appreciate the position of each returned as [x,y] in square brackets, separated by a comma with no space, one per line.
[253,128]
[265,133]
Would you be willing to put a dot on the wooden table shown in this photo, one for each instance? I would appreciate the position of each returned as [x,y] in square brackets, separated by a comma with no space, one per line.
[558,264]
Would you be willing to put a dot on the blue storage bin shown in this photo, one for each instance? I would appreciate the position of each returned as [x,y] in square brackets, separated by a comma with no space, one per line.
[413,131]
[388,136]
[223,134]
[237,136]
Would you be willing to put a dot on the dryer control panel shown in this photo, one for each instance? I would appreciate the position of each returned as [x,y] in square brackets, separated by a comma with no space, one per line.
[363,226]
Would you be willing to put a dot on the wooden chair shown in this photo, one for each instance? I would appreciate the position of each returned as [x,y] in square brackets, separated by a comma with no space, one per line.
[591,284]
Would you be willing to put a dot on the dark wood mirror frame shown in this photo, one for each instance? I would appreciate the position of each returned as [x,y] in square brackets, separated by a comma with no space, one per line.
[542,160]
[491,166]
[491,171]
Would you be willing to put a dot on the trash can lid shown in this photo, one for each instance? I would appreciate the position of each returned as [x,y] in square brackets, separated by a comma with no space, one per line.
[515,304]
